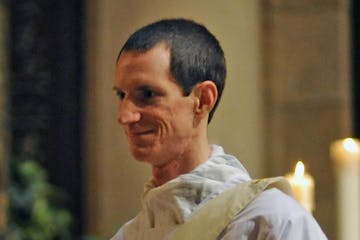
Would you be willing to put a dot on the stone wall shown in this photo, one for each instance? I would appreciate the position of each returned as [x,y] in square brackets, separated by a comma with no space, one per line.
[306,91]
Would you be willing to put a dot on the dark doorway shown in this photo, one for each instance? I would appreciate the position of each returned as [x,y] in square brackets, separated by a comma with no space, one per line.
[46,78]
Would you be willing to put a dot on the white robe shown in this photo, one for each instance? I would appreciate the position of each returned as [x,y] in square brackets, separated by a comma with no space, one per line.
[272,215]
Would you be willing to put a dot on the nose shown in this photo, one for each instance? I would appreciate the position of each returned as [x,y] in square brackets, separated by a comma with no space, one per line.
[128,112]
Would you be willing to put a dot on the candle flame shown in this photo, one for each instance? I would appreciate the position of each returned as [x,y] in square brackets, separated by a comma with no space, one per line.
[299,170]
[350,145]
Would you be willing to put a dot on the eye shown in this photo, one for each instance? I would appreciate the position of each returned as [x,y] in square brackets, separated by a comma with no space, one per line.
[145,95]
[119,93]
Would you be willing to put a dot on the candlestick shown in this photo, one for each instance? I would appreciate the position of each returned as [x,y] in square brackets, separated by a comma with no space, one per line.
[346,156]
[302,185]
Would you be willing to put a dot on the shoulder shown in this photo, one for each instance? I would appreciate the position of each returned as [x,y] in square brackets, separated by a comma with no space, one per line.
[274,202]
[118,235]
[273,215]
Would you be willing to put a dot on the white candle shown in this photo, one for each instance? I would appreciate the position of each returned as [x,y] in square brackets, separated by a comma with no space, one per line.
[302,185]
[346,156]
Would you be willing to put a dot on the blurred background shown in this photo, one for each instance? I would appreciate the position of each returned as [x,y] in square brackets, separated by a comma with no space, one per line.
[65,170]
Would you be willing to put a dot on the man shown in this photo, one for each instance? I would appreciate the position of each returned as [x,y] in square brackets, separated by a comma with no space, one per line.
[169,78]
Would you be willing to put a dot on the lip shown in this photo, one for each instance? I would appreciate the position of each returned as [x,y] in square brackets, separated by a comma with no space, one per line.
[141,132]
[141,137]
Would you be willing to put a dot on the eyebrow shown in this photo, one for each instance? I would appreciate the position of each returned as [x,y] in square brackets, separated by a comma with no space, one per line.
[145,87]
[115,88]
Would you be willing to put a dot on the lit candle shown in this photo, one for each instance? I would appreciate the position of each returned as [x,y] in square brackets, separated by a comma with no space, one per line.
[302,185]
[346,156]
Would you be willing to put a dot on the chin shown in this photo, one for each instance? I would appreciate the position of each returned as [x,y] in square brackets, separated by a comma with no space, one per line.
[143,154]
[156,154]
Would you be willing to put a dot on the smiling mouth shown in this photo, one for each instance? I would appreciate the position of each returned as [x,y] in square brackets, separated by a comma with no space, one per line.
[142,137]
[139,133]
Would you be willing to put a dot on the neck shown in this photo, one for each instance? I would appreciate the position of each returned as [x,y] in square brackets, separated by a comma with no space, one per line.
[188,161]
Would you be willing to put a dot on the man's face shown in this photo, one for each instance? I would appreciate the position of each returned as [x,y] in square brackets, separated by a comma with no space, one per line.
[157,119]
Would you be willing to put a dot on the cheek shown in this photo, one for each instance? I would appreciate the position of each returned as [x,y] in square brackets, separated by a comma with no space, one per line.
[183,118]
[172,119]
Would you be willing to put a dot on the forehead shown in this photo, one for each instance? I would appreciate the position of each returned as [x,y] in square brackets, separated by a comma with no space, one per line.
[135,66]
[136,59]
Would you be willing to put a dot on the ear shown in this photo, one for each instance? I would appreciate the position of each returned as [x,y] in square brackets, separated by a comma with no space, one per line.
[206,95]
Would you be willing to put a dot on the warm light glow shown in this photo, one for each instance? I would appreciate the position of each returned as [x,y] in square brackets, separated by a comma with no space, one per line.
[350,145]
[346,152]
[299,170]
[302,185]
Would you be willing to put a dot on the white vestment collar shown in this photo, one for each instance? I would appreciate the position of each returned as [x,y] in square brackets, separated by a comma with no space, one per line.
[175,201]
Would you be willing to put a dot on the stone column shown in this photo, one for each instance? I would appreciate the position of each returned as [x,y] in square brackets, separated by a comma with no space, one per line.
[306,87]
